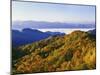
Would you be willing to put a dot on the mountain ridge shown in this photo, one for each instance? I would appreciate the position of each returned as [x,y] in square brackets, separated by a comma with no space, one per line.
[28,35]
[42,24]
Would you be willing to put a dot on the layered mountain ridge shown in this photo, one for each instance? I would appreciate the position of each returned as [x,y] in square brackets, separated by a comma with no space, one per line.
[44,25]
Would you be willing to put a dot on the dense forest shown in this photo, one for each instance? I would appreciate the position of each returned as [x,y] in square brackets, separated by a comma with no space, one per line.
[74,51]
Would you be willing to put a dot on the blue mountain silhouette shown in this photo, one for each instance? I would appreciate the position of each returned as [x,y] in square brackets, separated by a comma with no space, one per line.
[30,35]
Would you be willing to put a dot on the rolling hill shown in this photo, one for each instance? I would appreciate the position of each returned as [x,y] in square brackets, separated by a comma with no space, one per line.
[75,51]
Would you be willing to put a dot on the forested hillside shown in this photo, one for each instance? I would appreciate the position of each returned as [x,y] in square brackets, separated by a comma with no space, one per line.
[75,51]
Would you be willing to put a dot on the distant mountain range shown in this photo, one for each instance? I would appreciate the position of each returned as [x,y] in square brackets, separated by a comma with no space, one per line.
[41,24]
[28,35]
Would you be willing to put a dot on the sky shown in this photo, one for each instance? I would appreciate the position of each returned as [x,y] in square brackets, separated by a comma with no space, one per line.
[23,11]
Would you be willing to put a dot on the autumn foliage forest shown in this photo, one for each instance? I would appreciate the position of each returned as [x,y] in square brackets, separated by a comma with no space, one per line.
[74,51]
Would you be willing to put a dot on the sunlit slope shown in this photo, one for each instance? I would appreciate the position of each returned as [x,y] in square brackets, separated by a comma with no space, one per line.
[75,51]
